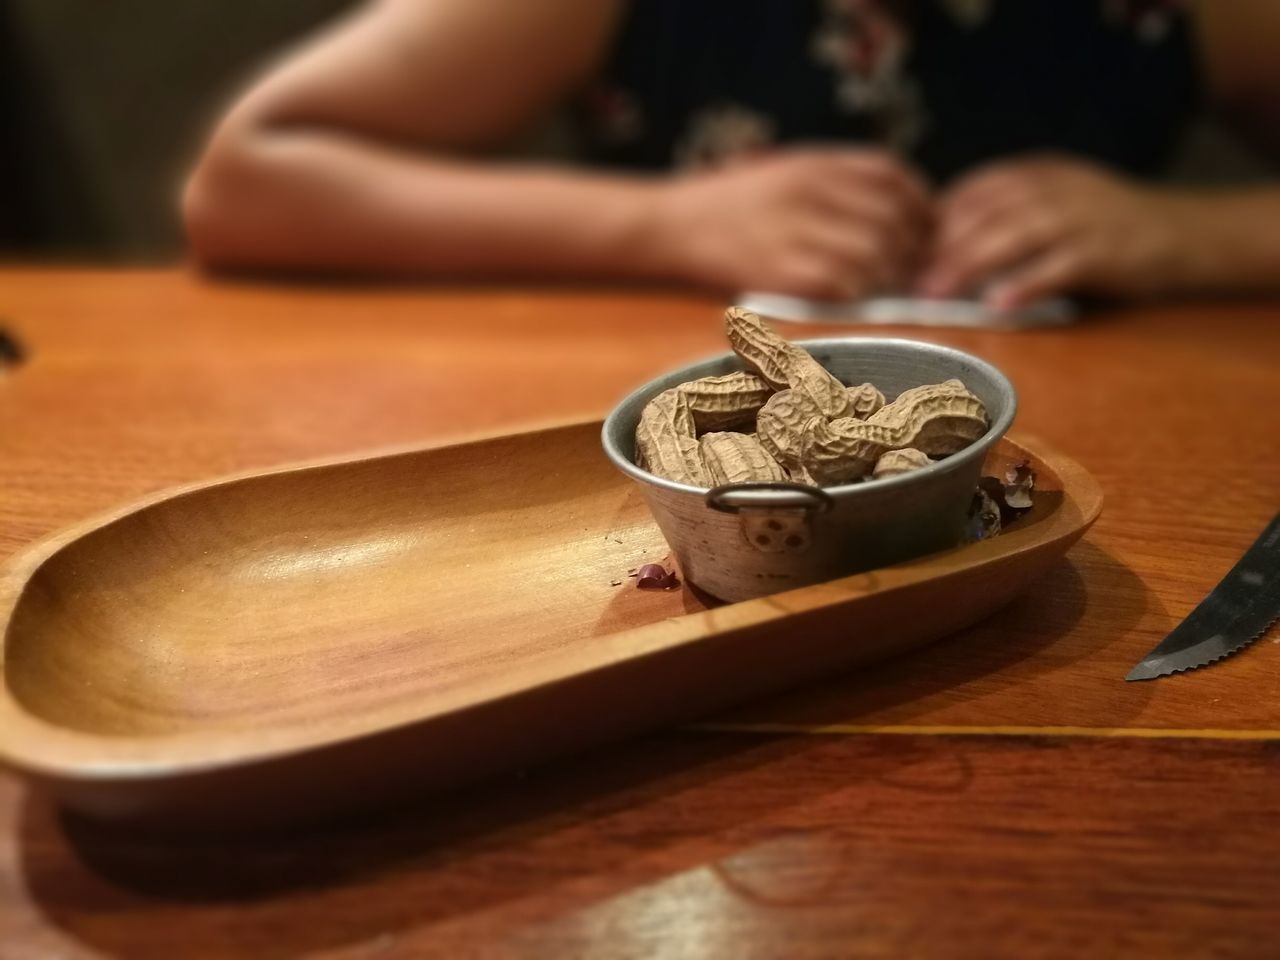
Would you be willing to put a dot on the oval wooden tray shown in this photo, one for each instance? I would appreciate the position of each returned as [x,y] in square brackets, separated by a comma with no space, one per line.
[291,643]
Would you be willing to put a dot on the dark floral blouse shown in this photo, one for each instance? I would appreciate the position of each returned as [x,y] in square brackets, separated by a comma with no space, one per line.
[948,83]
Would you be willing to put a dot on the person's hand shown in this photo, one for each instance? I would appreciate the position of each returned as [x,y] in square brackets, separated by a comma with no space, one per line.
[825,224]
[1019,230]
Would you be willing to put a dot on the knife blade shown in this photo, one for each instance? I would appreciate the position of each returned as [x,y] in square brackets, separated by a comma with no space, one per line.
[1238,611]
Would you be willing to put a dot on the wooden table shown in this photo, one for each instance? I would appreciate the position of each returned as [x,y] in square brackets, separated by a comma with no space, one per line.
[1002,793]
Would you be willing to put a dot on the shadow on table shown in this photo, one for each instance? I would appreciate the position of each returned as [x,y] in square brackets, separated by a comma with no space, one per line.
[544,847]
[548,845]
[1035,663]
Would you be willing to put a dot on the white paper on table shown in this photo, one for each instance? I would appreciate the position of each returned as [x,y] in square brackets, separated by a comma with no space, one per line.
[908,310]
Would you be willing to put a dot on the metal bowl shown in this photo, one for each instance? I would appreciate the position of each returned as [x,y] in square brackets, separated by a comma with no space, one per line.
[749,540]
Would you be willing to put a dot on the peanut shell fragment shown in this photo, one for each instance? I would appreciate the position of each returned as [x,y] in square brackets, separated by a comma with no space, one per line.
[897,462]
[780,425]
[937,419]
[783,364]
[739,458]
[665,440]
[943,417]
[864,400]
[727,402]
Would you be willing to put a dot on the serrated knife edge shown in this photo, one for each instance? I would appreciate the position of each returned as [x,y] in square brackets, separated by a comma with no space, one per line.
[1235,622]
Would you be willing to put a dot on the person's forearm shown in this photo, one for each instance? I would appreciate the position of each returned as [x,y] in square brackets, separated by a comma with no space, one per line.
[318,200]
[1223,240]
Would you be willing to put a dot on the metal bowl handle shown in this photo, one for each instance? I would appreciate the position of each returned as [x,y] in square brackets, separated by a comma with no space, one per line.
[735,497]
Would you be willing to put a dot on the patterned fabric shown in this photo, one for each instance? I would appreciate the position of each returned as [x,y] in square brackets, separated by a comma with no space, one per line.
[948,83]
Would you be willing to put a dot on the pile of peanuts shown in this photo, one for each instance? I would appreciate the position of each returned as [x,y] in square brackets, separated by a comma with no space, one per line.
[787,418]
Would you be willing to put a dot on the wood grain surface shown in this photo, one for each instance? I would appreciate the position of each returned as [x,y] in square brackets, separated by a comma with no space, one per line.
[365,629]
[735,842]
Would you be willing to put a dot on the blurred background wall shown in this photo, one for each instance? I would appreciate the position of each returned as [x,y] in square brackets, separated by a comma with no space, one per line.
[103,106]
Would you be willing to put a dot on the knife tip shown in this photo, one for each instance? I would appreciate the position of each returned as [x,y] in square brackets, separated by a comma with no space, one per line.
[1144,671]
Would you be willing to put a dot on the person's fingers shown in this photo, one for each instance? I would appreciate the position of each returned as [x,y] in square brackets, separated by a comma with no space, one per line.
[904,236]
[910,185]
[958,233]
[1053,273]
[977,197]
[958,224]
[876,171]
[994,177]
[1017,172]
[1005,242]
[816,276]
[857,250]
